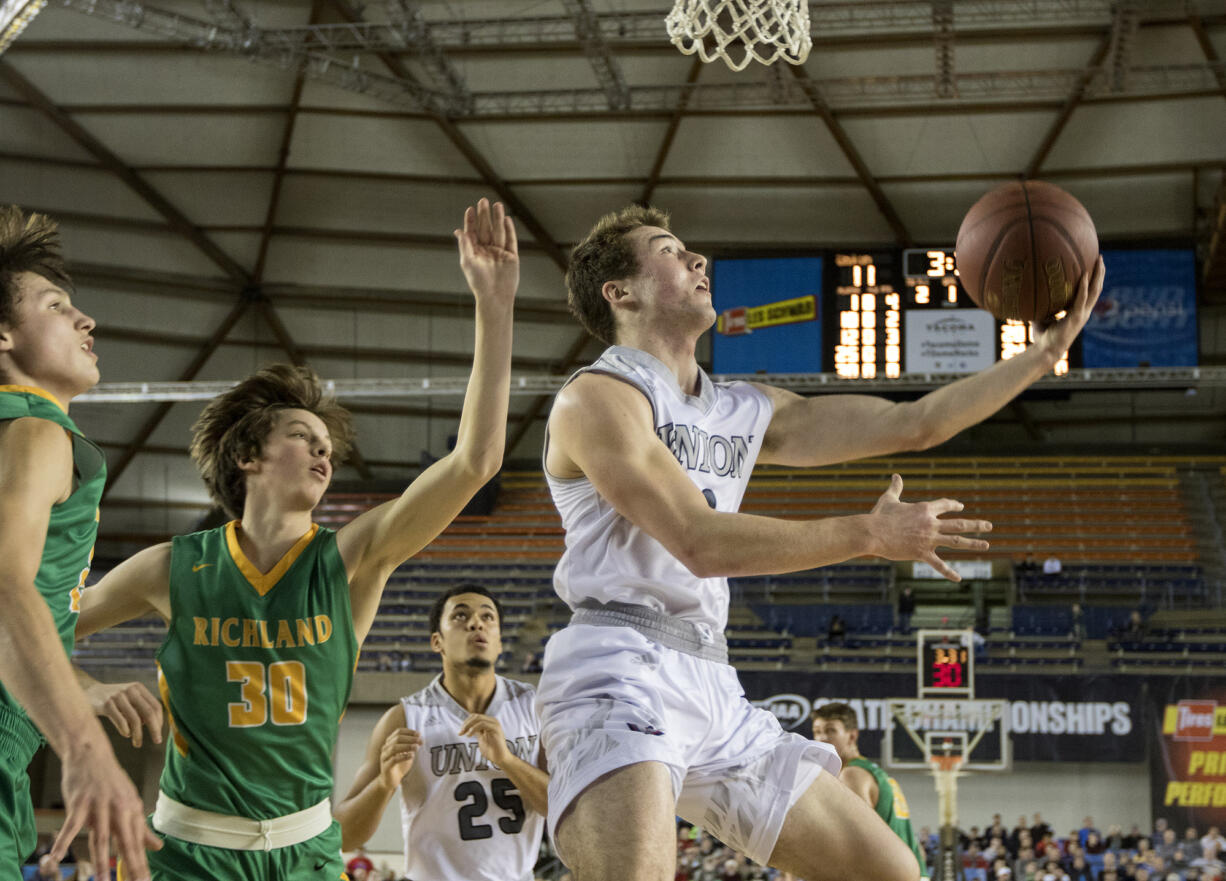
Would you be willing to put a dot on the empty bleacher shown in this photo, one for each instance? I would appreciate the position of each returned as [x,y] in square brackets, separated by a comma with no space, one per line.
[1119,525]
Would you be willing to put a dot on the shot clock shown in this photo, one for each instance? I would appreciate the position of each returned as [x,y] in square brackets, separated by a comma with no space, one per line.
[946,663]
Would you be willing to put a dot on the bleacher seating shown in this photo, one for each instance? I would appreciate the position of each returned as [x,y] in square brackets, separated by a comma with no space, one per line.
[1119,525]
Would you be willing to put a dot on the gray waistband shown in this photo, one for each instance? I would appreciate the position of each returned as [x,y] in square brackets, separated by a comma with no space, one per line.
[674,633]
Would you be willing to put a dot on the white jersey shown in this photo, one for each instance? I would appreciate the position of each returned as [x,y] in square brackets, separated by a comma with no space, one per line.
[463,818]
[716,436]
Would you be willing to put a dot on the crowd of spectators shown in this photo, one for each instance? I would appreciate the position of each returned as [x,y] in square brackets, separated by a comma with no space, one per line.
[1027,851]
[1032,851]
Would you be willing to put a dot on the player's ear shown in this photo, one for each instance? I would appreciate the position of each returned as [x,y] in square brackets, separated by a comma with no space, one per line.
[6,338]
[613,292]
[436,642]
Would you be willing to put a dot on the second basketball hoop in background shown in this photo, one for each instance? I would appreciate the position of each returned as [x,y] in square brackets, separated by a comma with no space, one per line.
[740,31]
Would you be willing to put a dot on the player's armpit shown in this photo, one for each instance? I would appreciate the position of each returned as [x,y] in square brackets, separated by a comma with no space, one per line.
[137,586]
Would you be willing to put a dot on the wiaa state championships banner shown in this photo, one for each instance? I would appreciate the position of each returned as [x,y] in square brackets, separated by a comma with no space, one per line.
[1188,759]
[1053,718]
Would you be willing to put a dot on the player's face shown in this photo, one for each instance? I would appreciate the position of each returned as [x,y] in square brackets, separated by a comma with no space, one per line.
[671,284]
[49,346]
[295,458]
[468,631]
[833,732]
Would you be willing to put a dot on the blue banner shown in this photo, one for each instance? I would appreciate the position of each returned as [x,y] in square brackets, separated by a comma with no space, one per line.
[769,315]
[1146,316]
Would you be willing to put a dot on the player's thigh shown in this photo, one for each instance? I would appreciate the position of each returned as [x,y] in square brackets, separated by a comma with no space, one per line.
[622,826]
[831,834]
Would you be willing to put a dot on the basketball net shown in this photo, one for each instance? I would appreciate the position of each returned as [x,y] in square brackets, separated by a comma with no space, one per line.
[740,31]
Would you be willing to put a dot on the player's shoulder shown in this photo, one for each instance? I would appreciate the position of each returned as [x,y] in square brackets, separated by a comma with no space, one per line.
[518,690]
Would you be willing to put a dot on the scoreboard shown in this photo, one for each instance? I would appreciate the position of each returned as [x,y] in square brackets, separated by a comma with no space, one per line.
[881,313]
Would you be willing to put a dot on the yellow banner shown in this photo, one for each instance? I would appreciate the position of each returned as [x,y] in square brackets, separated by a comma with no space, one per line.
[1170,720]
[746,319]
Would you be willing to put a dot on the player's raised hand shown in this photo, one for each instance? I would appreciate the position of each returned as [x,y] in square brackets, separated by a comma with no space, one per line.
[1057,336]
[490,739]
[489,252]
[914,531]
[131,708]
[98,794]
[397,755]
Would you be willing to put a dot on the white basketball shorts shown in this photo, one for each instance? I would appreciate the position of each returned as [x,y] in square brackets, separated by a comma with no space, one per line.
[611,697]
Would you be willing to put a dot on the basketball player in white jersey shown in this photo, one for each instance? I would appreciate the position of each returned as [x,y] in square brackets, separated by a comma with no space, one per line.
[647,461]
[463,753]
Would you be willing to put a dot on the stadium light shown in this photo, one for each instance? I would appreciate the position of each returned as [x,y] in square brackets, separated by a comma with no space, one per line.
[14,16]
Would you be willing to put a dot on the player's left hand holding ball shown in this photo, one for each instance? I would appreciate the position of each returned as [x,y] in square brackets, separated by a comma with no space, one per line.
[1057,336]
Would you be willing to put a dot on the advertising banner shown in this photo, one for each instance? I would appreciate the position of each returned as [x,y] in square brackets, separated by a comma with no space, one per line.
[1051,717]
[769,315]
[1146,315]
[1188,759]
[949,340]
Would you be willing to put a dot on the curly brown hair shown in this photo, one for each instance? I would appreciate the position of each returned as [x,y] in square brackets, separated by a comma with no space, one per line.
[28,243]
[234,426]
[603,255]
[838,712]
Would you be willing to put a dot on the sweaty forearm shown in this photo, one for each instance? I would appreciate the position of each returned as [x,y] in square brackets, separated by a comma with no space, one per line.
[531,781]
[35,670]
[746,544]
[957,406]
[360,814]
[481,436]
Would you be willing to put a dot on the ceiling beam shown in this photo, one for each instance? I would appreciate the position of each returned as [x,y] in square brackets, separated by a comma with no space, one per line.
[1197,23]
[820,106]
[300,353]
[1066,111]
[86,141]
[565,44]
[670,134]
[460,141]
[151,424]
[604,65]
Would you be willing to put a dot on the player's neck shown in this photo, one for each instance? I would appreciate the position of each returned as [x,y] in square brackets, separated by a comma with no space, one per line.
[472,689]
[61,395]
[676,352]
[266,533]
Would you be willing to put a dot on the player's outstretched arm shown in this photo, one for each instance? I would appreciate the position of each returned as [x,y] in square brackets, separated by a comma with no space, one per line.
[822,430]
[602,428]
[389,756]
[35,474]
[381,539]
[531,781]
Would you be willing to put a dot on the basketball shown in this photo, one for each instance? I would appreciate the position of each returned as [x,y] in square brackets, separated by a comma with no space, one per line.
[1022,249]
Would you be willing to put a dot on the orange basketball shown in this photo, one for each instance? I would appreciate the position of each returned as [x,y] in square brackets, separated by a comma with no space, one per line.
[1023,248]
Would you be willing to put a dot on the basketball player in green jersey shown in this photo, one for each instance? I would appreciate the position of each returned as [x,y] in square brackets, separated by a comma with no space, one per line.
[51,480]
[836,724]
[266,613]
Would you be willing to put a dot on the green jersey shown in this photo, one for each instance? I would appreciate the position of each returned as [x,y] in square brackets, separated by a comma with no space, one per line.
[69,544]
[892,807]
[255,673]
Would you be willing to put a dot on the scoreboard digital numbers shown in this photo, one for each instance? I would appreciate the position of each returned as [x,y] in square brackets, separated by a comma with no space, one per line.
[869,316]
[946,663]
[872,313]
